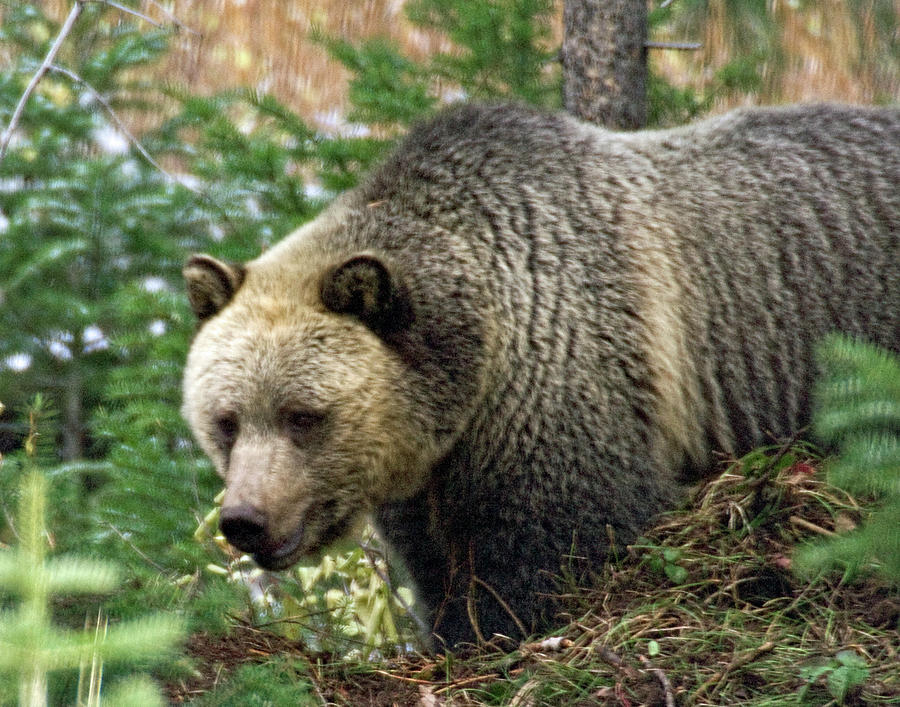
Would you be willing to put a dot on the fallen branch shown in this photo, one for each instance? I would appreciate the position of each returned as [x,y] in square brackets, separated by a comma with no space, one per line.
[607,655]
[808,525]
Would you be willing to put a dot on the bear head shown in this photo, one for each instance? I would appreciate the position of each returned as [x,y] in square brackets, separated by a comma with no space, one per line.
[298,387]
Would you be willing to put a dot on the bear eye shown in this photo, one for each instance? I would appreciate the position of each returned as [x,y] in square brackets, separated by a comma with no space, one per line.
[227,430]
[300,425]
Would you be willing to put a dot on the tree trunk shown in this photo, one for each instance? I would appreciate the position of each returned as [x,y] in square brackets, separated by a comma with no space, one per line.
[604,61]
[72,424]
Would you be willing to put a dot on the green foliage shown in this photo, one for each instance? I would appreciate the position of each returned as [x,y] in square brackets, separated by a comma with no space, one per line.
[92,239]
[670,105]
[859,411]
[76,219]
[250,156]
[503,50]
[846,671]
[91,250]
[388,89]
[93,242]
[343,602]
[664,561]
[276,682]
[31,646]
[505,47]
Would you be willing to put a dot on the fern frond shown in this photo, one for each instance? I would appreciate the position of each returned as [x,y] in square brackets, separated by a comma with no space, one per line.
[859,409]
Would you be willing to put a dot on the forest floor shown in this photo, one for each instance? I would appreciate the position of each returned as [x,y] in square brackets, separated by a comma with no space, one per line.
[705,610]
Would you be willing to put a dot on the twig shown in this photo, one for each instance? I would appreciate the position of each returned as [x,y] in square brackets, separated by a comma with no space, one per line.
[127,10]
[48,65]
[144,556]
[466,681]
[807,525]
[179,25]
[740,661]
[663,680]
[401,678]
[121,125]
[607,655]
[473,614]
[680,46]
[42,69]
[502,603]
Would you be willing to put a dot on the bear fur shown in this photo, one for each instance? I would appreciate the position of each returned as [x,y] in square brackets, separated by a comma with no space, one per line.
[511,342]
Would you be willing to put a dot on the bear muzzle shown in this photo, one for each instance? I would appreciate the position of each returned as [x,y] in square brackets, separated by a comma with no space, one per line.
[246,528]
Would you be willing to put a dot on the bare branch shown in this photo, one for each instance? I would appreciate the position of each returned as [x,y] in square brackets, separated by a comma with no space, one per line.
[121,125]
[682,46]
[48,65]
[42,69]
[179,25]
[127,10]
[663,681]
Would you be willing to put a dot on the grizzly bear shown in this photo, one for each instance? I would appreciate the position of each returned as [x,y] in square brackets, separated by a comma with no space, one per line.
[512,341]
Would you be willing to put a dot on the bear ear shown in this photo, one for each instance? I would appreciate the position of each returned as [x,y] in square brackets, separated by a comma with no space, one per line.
[368,288]
[211,284]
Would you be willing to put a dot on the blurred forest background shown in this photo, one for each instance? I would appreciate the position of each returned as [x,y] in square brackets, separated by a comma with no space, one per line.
[795,50]
[219,127]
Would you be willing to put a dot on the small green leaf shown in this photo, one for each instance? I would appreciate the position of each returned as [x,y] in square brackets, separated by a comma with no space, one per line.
[653,649]
[677,574]
[850,659]
[814,672]
[672,554]
[839,683]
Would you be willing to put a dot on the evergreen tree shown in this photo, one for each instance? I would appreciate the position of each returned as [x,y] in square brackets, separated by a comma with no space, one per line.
[79,215]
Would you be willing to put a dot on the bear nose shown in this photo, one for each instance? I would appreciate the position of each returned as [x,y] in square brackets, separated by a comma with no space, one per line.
[244,526]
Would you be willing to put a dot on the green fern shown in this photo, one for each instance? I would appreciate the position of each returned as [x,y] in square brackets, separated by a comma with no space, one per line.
[859,412]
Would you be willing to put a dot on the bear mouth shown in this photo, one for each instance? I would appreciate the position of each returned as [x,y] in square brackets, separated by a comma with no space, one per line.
[283,554]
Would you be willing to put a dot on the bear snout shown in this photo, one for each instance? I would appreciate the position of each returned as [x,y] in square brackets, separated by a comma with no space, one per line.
[245,527]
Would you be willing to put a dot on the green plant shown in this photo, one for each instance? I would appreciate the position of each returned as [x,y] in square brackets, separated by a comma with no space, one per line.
[343,601]
[79,212]
[664,561]
[859,412]
[846,671]
[31,645]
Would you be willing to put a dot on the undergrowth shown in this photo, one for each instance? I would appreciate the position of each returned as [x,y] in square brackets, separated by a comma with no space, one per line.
[732,624]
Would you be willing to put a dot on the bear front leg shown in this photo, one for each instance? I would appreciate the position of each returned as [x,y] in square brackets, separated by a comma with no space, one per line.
[405,527]
[473,585]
